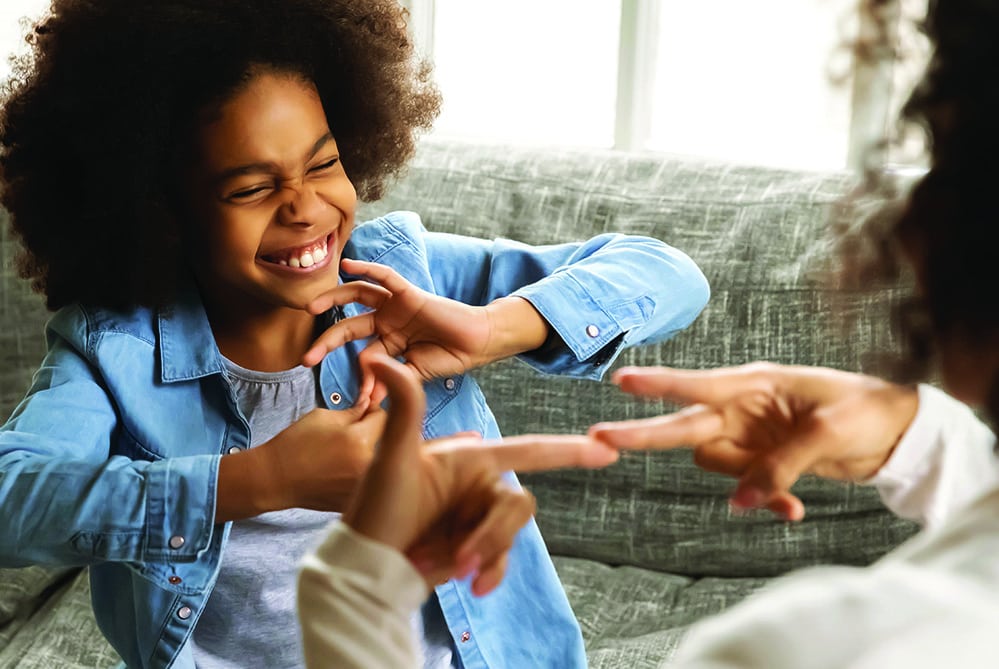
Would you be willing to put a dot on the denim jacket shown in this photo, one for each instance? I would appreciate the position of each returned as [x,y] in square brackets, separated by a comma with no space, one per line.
[111,460]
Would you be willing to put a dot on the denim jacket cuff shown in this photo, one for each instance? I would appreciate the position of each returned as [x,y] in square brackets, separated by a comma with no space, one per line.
[591,334]
[180,508]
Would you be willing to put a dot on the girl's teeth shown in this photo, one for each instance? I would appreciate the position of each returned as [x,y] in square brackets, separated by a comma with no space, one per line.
[307,258]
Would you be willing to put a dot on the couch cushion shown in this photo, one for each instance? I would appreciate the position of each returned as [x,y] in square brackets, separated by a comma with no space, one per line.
[58,631]
[634,618]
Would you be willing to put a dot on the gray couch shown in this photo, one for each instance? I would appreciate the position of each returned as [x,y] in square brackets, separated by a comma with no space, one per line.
[648,546]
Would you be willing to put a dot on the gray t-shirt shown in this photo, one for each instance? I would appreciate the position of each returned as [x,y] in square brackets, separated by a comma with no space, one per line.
[250,619]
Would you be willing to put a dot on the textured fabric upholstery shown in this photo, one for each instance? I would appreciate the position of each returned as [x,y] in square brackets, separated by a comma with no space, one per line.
[648,546]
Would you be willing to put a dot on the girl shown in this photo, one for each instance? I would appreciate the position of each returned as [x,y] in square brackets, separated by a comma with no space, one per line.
[183,175]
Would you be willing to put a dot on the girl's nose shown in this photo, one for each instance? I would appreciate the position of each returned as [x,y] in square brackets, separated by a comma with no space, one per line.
[302,207]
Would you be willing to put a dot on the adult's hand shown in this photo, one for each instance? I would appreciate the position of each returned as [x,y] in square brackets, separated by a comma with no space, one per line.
[767,424]
[444,503]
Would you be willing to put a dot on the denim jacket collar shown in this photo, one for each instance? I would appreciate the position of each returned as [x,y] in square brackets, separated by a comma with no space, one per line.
[187,345]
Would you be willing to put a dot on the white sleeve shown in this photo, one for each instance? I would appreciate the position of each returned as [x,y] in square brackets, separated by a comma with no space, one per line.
[928,604]
[355,601]
[944,461]
[852,618]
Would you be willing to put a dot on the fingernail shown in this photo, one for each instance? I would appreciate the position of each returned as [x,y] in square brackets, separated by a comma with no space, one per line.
[611,456]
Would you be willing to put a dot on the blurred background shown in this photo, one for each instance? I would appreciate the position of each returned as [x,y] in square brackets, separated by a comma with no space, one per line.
[767,82]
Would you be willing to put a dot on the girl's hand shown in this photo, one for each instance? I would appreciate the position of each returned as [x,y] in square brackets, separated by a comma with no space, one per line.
[766,425]
[436,336]
[315,463]
[444,503]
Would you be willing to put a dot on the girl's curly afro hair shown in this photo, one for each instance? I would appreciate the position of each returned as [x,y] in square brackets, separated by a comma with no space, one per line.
[96,121]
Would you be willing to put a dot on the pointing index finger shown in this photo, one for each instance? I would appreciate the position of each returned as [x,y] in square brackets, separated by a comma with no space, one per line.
[691,426]
[534,452]
[383,274]
[363,292]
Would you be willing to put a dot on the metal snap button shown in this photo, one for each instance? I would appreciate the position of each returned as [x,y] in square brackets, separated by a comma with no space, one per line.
[336,398]
[176,542]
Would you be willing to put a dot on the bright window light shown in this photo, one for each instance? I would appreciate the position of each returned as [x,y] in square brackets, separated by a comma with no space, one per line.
[749,82]
[11,30]
[527,71]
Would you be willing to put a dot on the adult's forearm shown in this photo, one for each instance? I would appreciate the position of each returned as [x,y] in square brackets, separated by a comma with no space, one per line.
[355,599]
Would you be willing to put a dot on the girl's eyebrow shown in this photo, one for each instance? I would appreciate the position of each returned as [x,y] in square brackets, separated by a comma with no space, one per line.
[271,167]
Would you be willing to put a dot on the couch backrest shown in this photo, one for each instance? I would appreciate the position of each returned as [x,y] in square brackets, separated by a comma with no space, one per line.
[22,322]
[756,233]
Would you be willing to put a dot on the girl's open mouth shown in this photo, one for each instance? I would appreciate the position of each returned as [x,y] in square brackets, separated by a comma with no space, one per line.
[311,255]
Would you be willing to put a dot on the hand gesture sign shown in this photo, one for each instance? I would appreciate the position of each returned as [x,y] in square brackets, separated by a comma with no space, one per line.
[435,335]
[766,425]
[444,503]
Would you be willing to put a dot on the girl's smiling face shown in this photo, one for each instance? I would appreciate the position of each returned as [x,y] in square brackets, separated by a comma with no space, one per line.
[272,206]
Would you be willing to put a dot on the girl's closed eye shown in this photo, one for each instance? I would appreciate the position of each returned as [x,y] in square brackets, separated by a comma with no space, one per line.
[326,165]
[259,191]
[248,193]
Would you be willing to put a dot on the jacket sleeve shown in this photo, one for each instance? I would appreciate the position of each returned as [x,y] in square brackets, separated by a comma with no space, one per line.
[598,296]
[944,461]
[356,598]
[892,614]
[66,500]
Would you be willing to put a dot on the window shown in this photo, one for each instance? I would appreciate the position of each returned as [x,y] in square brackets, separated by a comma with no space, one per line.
[766,82]
[749,81]
[548,78]
[11,29]
[726,79]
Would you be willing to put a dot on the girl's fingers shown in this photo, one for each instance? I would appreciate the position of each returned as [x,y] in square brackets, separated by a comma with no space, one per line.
[489,576]
[387,277]
[693,425]
[349,329]
[362,292]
